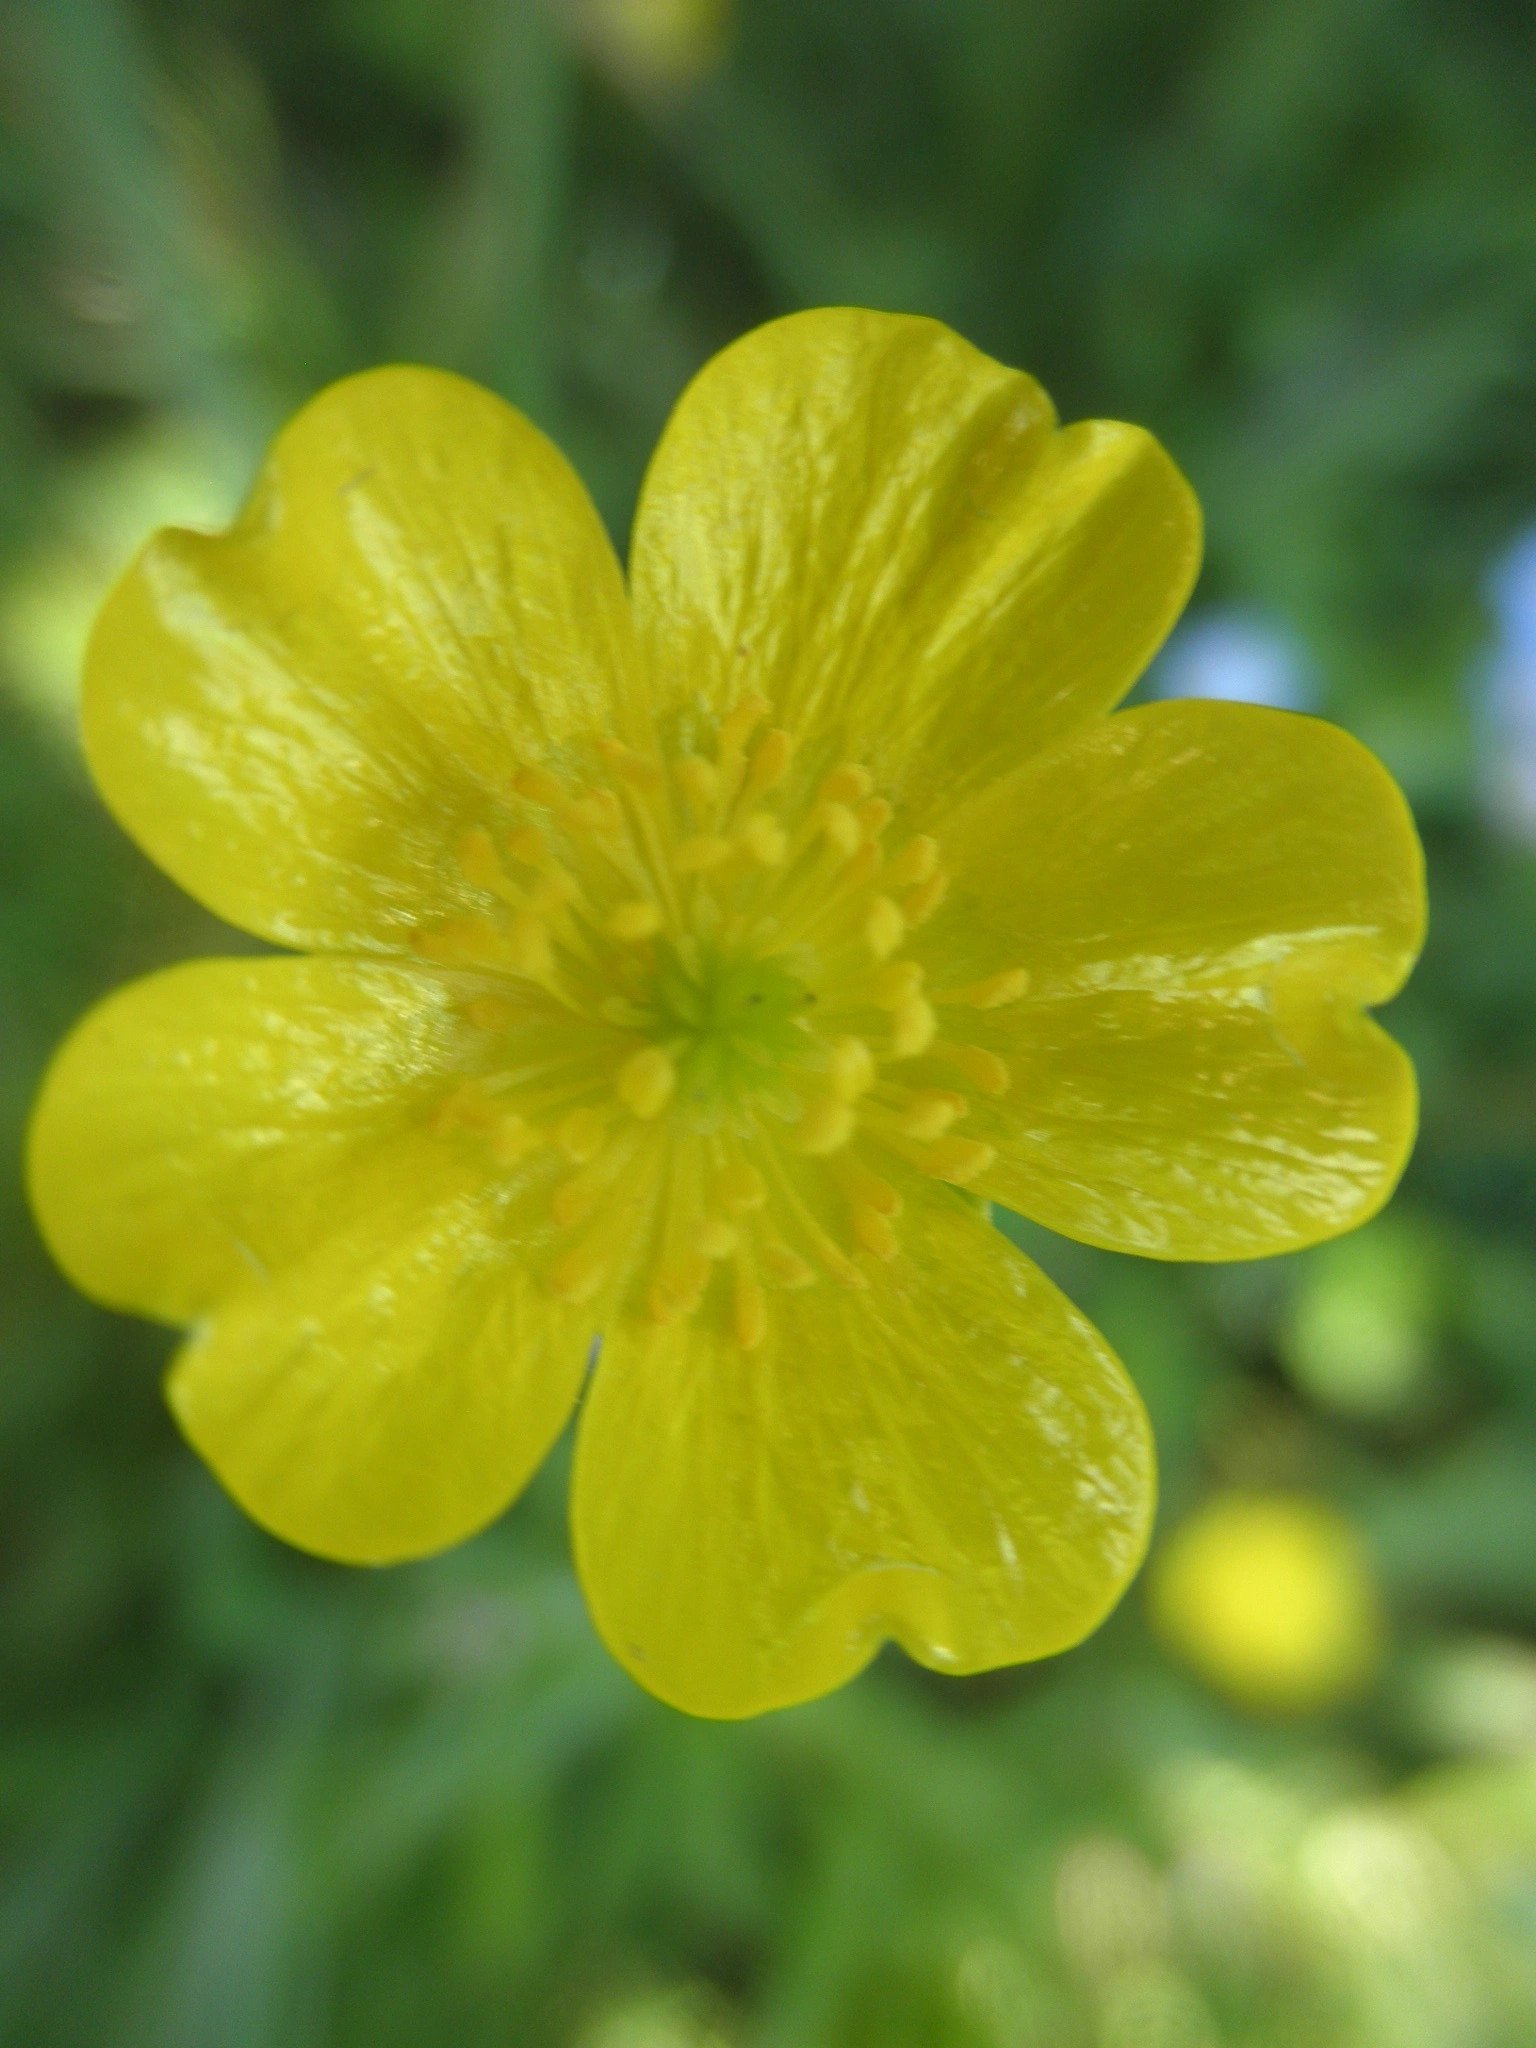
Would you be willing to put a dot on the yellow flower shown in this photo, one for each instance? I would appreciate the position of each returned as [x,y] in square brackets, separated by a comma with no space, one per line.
[677,956]
[1270,1597]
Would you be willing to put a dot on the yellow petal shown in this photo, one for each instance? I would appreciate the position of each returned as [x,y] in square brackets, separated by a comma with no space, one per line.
[874,525]
[297,717]
[952,1458]
[376,1370]
[1202,895]
[203,1126]
[392,1393]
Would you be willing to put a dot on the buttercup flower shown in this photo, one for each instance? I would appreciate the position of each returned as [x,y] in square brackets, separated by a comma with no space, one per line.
[683,962]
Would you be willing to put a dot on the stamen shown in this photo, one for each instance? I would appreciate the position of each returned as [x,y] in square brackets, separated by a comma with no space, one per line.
[739,721]
[751,1310]
[912,1029]
[539,787]
[930,1113]
[511,1137]
[463,942]
[699,781]
[957,1160]
[769,762]
[646,1082]
[581,1135]
[634,921]
[576,1199]
[641,774]
[896,984]
[924,901]
[676,1290]
[851,1069]
[528,947]
[992,993]
[840,829]
[874,1232]
[874,814]
[918,862]
[581,1272]
[846,785]
[989,1073]
[764,838]
[528,845]
[740,1188]
[825,1127]
[864,1189]
[479,863]
[884,928]
[717,1239]
[491,1013]
[698,856]
[787,1268]
[598,811]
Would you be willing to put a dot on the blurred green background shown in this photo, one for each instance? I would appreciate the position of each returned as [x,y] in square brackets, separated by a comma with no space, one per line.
[1287,1797]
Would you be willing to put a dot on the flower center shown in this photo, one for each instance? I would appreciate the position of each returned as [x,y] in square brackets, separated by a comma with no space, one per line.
[730,1023]
[705,1021]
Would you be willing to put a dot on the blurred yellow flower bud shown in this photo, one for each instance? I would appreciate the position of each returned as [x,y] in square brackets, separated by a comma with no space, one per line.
[1272,1600]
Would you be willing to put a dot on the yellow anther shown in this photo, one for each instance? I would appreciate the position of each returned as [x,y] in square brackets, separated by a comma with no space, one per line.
[847,784]
[539,786]
[717,1239]
[865,1189]
[740,1188]
[989,1073]
[764,838]
[874,814]
[634,921]
[924,901]
[992,993]
[750,1320]
[553,891]
[646,1081]
[912,1028]
[581,1134]
[598,811]
[698,856]
[957,1160]
[874,1232]
[863,867]
[675,1291]
[579,1273]
[838,1264]
[787,1268]
[739,720]
[769,761]
[700,783]
[491,1013]
[465,1109]
[896,984]
[528,948]
[930,1113]
[464,942]
[475,852]
[510,1137]
[528,845]
[884,928]
[631,767]
[918,861]
[840,828]
[826,1127]
[850,1068]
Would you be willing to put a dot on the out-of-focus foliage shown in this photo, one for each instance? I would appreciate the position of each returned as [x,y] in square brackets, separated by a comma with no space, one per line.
[249,1801]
